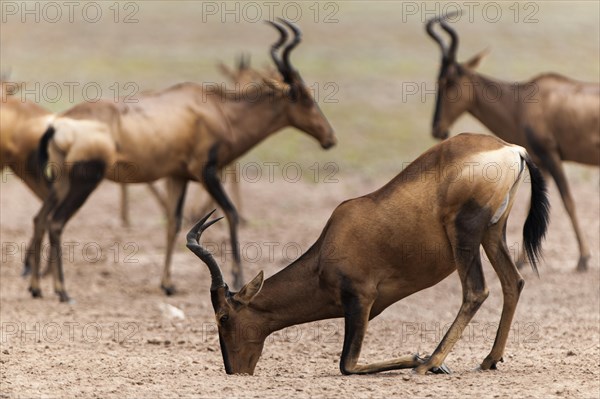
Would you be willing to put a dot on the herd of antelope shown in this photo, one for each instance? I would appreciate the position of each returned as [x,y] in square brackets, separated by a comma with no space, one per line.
[367,256]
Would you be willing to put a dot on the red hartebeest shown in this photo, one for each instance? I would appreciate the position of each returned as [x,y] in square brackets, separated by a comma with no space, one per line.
[555,118]
[22,125]
[377,249]
[242,75]
[187,132]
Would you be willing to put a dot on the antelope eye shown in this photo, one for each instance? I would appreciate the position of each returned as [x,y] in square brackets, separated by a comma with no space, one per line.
[224,318]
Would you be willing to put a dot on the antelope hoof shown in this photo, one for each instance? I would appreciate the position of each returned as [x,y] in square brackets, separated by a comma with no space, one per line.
[425,367]
[582,265]
[169,290]
[64,297]
[443,369]
[490,364]
[35,292]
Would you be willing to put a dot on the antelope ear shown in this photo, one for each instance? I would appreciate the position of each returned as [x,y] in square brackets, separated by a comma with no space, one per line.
[474,62]
[225,70]
[243,61]
[250,290]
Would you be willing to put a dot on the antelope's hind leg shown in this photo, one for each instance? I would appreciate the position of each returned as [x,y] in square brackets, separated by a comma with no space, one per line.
[176,189]
[558,173]
[494,243]
[550,160]
[84,177]
[465,237]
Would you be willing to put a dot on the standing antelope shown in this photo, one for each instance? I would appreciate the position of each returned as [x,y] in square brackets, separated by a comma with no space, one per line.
[375,250]
[555,118]
[22,124]
[183,133]
[243,75]
[21,128]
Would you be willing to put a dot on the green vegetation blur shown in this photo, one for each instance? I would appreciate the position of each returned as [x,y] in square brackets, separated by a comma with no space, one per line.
[371,64]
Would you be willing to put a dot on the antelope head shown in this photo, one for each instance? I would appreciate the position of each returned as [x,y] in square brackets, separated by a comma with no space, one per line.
[455,91]
[241,334]
[303,111]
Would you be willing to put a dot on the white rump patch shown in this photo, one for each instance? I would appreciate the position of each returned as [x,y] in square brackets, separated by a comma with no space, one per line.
[520,154]
[500,210]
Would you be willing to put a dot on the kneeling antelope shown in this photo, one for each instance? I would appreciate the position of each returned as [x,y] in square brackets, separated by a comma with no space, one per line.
[555,118]
[377,249]
[186,132]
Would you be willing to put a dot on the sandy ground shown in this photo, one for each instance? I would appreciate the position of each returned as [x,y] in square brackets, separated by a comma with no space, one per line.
[120,338]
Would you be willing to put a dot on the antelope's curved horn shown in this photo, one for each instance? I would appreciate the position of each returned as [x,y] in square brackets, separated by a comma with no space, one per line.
[447,53]
[453,35]
[282,39]
[243,61]
[288,49]
[193,244]
[435,36]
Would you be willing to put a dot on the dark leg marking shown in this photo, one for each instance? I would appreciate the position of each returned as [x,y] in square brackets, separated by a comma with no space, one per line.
[84,178]
[215,189]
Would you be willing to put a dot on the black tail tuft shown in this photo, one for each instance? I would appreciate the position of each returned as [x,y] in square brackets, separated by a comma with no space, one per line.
[42,152]
[538,218]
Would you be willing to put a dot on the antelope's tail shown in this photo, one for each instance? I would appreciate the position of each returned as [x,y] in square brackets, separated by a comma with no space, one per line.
[538,218]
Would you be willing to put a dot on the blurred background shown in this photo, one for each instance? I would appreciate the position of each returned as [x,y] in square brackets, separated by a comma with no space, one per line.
[371,66]
[364,59]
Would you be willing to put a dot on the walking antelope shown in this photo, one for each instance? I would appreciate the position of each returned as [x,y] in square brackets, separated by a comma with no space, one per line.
[555,118]
[241,76]
[186,132]
[377,249]
[22,124]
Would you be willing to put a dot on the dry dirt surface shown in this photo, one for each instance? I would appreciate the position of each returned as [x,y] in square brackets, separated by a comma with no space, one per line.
[124,338]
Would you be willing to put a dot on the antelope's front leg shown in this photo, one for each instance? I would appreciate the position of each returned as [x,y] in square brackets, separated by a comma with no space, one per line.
[125,221]
[356,315]
[33,257]
[216,191]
